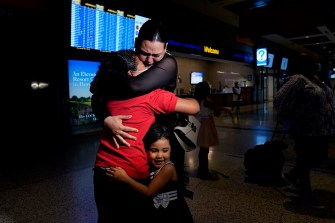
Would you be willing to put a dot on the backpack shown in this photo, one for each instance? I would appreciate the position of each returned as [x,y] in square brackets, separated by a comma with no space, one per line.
[187,135]
[266,161]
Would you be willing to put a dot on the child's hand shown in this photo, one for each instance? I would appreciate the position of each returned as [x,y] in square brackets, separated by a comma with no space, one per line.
[117,173]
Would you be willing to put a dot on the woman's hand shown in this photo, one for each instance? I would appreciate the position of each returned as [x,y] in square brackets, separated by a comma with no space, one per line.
[119,131]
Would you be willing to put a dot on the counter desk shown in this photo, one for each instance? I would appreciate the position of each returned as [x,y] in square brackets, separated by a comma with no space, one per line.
[226,99]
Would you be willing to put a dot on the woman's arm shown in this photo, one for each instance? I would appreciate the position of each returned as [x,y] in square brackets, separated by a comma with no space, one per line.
[160,180]
[188,106]
[163,74]
[113,123]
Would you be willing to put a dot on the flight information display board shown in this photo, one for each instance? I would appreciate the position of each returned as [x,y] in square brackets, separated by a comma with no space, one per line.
[94,27]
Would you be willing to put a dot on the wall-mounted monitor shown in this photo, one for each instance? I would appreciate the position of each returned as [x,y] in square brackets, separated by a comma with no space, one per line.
[196,77]
[331,73]
[95,27]
[81,74]
[284,62]
[270,60]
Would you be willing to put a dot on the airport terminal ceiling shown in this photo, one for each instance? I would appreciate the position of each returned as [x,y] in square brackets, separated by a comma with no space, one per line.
[304,26]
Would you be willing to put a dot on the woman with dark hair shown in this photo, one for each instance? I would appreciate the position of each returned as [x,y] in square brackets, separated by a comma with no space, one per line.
[150,48]
[115,202]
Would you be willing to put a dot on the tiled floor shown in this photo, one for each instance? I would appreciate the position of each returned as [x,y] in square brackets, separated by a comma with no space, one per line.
[59,187]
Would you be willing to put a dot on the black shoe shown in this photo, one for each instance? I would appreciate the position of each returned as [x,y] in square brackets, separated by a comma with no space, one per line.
[291,181]
[312,202]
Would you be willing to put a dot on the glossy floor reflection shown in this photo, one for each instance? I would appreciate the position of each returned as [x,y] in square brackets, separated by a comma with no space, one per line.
[59,188]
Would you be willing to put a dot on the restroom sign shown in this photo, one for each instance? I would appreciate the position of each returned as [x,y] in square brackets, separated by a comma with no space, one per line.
[262,56]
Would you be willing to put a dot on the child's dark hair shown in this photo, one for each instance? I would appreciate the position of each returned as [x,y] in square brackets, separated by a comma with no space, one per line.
[118,63]
[202,90]
[156,132]
[115,66]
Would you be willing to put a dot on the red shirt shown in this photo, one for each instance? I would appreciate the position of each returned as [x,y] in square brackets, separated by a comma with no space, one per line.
[143,108]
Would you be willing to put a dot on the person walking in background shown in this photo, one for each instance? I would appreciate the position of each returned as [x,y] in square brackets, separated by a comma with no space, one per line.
[237,98]
[116,203]
[306,106]
[208,135]
[167,201]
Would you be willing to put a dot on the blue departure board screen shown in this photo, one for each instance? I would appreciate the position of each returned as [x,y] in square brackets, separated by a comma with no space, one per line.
[98,28]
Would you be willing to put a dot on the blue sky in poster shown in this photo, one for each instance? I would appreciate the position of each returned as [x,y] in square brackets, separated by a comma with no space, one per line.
[81,74]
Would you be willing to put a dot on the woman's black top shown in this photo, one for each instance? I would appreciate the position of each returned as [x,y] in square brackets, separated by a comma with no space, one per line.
[163,74]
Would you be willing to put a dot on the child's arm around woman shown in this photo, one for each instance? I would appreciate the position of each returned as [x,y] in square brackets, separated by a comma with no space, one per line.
[166,173]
